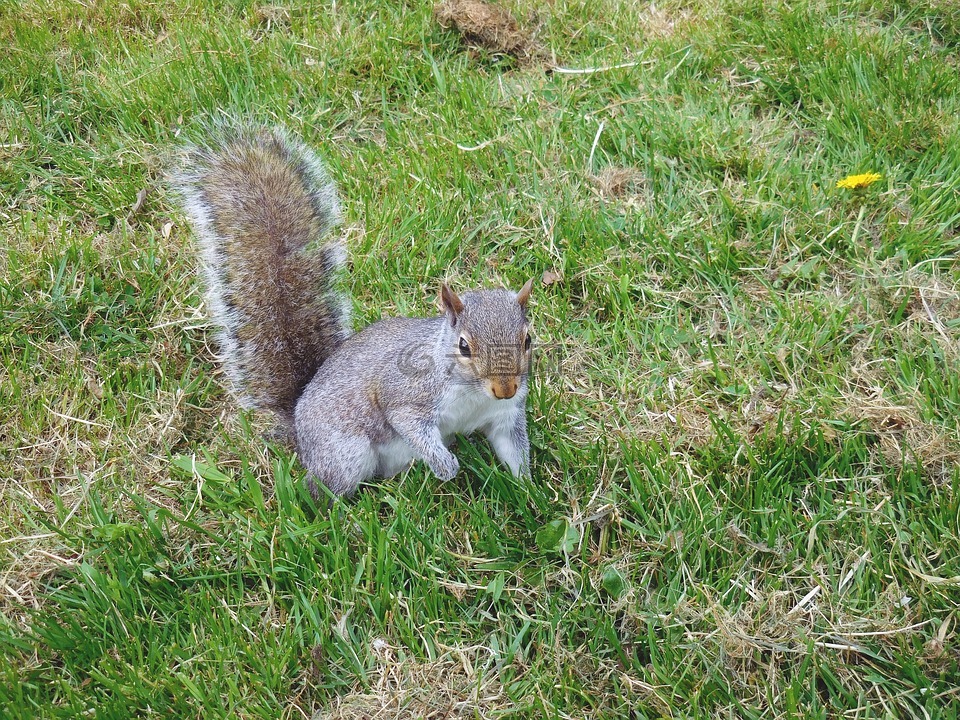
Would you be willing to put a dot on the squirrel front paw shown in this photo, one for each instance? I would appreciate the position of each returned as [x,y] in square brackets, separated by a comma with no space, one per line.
[448,468]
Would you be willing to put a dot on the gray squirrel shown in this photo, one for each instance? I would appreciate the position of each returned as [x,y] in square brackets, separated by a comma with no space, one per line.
[357,405]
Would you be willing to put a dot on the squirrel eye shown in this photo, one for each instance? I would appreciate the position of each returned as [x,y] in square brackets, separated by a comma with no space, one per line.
[527,343]
[464,347]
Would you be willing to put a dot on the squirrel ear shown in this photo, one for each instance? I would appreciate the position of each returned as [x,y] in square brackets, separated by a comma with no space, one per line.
[524,293]
[451,303]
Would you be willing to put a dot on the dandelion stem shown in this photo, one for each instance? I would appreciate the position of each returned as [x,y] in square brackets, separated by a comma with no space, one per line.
[856,228]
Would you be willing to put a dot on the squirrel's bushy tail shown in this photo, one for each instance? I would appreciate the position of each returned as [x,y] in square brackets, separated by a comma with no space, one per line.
[260,202]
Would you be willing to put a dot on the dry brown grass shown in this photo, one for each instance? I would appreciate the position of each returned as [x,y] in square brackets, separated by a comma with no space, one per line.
[488,26]
[462,683]
[659,22]
[620,182]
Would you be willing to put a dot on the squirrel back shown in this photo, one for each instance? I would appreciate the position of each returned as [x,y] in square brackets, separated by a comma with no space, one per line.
[260,203]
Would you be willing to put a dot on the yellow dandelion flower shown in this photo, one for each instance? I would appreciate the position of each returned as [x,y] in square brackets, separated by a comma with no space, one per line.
[856,182]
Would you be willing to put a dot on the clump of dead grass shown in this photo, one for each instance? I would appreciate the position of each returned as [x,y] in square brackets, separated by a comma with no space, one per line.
[896,417]
[768,633]
[775,625]
[902,434]
[271,16]
[619,182]
[458,684]
[488,26]
[659,23]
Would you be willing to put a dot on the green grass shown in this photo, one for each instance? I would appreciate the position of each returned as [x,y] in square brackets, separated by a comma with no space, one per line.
[746,414]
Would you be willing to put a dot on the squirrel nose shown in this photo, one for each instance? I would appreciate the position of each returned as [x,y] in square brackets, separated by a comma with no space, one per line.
[504,388]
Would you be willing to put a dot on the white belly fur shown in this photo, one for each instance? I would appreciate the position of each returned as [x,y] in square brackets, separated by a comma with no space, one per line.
[394,457]
[467,409]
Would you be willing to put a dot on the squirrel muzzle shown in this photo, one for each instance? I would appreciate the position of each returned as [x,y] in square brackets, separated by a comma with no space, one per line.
[503,387]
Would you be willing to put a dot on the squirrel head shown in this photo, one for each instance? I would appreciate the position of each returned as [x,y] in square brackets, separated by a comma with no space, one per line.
[488,336]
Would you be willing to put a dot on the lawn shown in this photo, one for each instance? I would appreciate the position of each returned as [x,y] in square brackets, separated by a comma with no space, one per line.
[745,414]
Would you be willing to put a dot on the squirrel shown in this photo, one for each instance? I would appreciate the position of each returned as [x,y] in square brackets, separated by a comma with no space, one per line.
[359,405]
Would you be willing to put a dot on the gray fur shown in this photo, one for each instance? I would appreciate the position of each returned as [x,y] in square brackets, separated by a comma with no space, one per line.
[369,398]
[364,405]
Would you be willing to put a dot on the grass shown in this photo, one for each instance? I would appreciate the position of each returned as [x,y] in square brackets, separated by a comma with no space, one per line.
[745,417]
